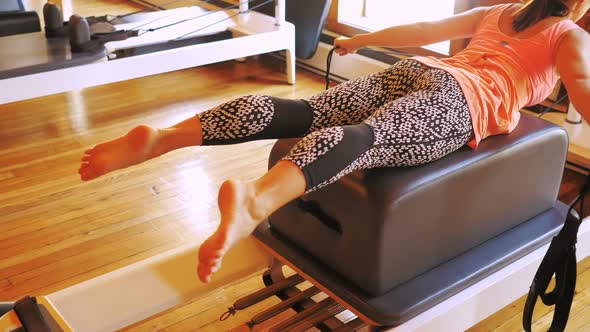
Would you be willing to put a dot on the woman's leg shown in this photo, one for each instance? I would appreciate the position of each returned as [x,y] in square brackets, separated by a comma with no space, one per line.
[421,127]
[243,119]
[256,117]
[353,101]
[141,143]
[243,205]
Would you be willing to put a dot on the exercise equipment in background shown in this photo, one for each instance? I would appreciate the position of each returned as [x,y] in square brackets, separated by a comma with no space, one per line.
[108,49]
[15,20]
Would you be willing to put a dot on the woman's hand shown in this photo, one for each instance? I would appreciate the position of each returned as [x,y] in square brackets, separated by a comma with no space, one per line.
[345,45]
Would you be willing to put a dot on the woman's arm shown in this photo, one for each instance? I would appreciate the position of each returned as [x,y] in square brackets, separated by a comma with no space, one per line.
[414,35]
[573,64]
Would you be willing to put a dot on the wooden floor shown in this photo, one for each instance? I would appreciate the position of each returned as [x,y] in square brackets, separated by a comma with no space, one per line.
[56,231]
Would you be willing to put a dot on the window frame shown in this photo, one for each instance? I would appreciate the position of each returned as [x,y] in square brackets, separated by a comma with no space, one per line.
[334,25]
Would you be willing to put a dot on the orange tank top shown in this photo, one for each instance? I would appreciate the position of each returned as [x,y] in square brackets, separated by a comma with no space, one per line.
[500,74]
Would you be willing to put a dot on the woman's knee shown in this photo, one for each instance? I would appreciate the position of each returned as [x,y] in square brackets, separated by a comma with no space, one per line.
[255,117]
[329,153]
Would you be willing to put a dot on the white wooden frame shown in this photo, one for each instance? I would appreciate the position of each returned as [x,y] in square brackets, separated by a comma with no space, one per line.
[135,292]
[254,33]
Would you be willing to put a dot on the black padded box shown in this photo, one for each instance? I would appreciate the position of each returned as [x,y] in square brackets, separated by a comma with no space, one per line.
[383,227]
[18,22]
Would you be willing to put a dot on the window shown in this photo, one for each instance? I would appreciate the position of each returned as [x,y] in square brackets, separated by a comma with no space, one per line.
[350,17]
[379,14]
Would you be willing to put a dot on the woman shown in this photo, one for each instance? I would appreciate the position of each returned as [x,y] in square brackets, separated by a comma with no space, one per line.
[414,112]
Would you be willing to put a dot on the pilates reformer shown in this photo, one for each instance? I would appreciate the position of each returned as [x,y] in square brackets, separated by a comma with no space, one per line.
[142,44]
[450,265]
[368,242]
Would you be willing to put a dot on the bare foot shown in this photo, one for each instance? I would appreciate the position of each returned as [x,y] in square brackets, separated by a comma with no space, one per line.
[125,151]
[239,218]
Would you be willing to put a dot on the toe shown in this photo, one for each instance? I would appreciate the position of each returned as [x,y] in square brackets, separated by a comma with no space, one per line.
[204,273]
[215,267]
[87,173]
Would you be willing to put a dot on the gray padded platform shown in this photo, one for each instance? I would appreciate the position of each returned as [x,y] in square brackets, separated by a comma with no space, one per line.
[33,53]
[417,295]
[5,307]
[392,243]
[383,227]
[15,23]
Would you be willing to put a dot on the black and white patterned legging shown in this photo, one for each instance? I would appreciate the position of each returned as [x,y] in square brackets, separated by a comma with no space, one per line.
[406,115]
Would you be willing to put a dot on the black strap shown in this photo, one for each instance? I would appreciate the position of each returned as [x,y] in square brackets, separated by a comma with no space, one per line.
[30,316]
[328,65]
[560,260]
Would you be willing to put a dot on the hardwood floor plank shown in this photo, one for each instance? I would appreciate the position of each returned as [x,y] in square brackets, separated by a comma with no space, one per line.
[107,226]
[6,176]
[75,279]
[142,239]
[5,284]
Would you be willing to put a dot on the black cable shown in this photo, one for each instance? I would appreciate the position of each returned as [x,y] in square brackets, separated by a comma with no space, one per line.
[227,18]
[581,197]
[144,31]
[140,32]
[187,19]
[550,108]
[105,18]
[136,28]
[196,17]
[583,194]
[328,65]
[160,7]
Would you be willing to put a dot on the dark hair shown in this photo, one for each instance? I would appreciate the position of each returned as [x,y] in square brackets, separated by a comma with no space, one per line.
[538,10]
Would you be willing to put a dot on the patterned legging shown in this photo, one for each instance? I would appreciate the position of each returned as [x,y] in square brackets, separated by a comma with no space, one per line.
[406,115]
